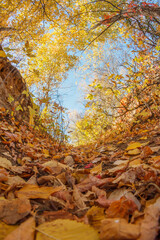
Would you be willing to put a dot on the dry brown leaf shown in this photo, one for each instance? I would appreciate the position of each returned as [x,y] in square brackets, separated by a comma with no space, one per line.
[53,164]
[33,191]
[63,194]
[3,175]
[92,181]
[24,232]
[5,163]
[155,149]
[69,161]
[11,211]
[120,162]
[146,152]
[150,223]
[127,177]
[123,192]
[78,198]
[48,216]
[62,177]
[118,168]
[118,229]
[121,208]
[103,201]
[44,179]
[15,180]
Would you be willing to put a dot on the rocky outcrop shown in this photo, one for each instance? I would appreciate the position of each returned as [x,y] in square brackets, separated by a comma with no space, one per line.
[13,89]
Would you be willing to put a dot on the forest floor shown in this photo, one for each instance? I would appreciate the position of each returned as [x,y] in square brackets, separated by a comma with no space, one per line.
[106,190]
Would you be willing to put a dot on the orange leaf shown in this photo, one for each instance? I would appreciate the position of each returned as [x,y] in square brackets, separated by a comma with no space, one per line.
[33,191]
[121,208]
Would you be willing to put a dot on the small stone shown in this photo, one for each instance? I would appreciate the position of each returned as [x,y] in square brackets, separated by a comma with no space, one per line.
[69,161]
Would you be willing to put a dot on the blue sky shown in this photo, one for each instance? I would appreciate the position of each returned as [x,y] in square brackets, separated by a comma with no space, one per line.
[70,93]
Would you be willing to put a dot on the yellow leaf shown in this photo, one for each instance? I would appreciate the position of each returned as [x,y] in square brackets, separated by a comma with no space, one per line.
[64,229]
[5,229]
[133,152]
[26,93]
[143,138]
[25,231]
[97,169]
[95,215]
[2,54]
[135,163]
[31,115]
[10,98]
[33,191]
[46,152]
[134,145]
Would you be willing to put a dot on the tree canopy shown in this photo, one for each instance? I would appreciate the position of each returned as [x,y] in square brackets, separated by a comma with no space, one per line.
[45,39]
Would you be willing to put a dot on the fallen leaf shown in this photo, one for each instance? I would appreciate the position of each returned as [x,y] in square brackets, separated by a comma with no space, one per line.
[24,232]
[123,192]
[121,208]
[53,164]
[5,163]
[118,229]
[133,152]
[5,229]
[11,211]
[133,145]
[97,169]
[3,175]
[64,229]
[49,216]
[33,191]
[103,201]
[135,163]
[89,165]
[150,223]
[69,161]
[15,180]
[46,153]
[155,149]
[78,198]
[98,192]
[92,181]
[146,152]
[121,162]
[95,215]
[118,168]
[155,161]
[127,177]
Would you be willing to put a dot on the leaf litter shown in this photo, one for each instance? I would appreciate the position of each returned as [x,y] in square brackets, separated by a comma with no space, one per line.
[107,190]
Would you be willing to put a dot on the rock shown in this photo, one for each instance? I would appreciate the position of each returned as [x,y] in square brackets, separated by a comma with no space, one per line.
[69,161]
